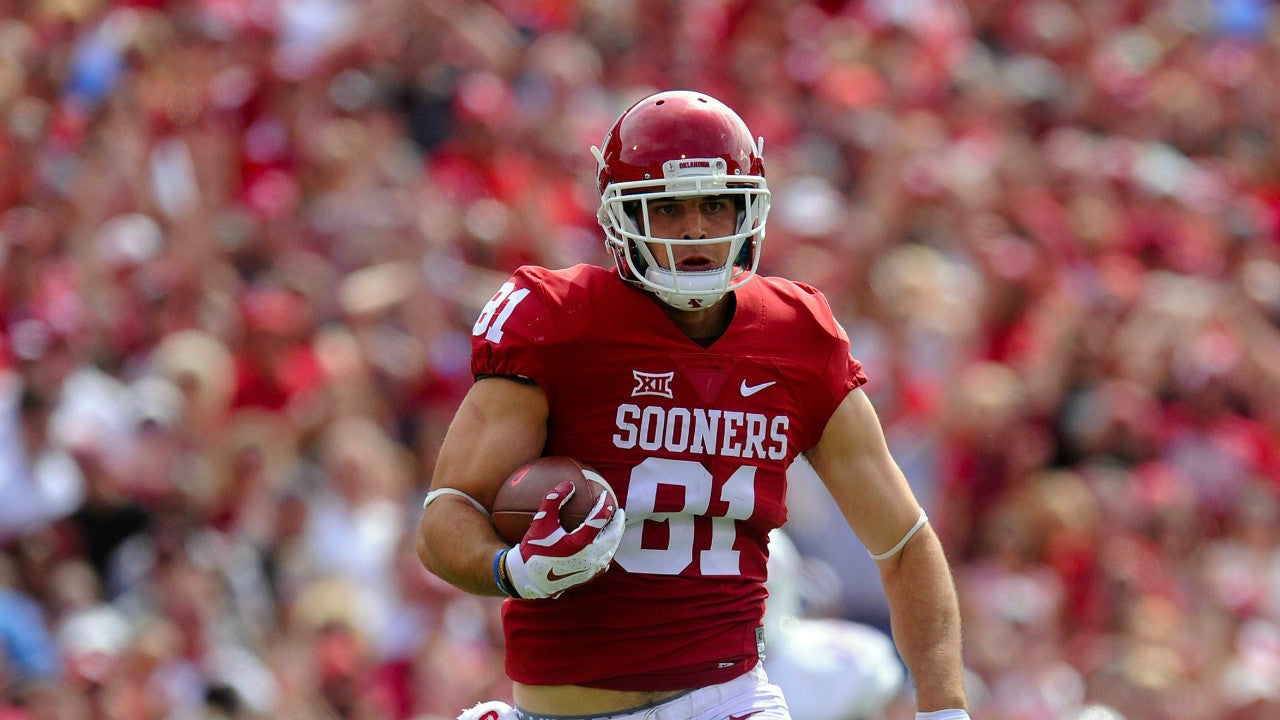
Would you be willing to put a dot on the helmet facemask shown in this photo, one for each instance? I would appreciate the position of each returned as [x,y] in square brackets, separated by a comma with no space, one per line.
[624,215]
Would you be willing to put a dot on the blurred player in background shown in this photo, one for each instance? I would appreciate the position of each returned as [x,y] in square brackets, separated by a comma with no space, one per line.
[828,668]
[690,384]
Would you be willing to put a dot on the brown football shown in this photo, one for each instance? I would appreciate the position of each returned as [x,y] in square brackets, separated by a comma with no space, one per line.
[519,497]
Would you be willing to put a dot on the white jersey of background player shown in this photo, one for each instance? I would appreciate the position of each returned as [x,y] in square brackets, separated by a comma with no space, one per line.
[828,668]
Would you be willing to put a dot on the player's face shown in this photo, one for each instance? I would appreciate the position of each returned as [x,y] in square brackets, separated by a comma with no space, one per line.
[693,219]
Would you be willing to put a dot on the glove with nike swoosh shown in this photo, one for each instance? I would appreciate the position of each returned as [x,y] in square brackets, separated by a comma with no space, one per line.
[550,559]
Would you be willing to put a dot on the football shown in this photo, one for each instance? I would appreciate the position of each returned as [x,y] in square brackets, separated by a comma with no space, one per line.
[519,497]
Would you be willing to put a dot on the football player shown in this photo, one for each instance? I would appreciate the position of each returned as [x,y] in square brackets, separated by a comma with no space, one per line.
[691,384]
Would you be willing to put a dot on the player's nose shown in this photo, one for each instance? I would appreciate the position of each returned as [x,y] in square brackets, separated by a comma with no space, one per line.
[695,227]
[695,233]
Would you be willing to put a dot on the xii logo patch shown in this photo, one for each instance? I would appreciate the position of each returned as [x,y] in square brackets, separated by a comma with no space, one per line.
[652,383]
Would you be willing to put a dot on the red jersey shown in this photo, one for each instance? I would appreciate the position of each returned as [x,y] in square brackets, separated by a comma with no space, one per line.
[695,442]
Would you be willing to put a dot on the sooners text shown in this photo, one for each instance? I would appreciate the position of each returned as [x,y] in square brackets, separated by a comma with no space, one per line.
[706,432]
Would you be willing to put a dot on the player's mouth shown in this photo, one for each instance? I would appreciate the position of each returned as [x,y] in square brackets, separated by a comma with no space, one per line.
[696,263]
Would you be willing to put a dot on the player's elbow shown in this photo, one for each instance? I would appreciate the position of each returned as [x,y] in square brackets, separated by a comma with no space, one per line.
[438,542]
[424,547]
[921,563]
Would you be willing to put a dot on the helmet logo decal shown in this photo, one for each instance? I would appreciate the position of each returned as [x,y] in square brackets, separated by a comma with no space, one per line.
[694,167]
[652,384]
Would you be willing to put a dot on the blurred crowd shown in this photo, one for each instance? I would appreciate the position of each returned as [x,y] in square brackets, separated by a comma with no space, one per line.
[243,242]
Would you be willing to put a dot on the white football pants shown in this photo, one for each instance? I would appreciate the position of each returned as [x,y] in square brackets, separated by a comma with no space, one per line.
[746,696]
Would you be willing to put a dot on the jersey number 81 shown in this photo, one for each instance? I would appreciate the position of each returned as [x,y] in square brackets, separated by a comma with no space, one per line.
[738,492]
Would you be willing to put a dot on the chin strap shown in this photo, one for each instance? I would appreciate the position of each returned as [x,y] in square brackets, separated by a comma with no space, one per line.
[700,283]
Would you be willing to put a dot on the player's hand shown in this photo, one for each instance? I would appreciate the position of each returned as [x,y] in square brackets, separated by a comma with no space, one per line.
[550,559]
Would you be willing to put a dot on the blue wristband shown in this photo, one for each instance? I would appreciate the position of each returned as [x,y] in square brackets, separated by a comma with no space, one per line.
[500,574]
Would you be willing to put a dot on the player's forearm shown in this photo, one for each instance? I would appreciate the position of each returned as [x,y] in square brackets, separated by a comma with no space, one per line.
[926,621]
[457,543]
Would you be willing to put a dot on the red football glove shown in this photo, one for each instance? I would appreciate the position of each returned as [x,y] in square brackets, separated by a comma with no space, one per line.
[550,559]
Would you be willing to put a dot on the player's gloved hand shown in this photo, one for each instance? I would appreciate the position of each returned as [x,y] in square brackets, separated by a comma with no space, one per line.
[550,559]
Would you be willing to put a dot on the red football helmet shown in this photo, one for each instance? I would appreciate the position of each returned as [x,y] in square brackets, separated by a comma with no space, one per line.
[680,144]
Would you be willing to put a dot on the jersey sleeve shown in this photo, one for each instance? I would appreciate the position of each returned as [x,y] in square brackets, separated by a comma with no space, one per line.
[519,329]
[846,371]
[842,373]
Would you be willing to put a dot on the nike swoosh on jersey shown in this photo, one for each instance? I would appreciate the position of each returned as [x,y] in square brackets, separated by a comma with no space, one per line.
[749,390]
[744,716]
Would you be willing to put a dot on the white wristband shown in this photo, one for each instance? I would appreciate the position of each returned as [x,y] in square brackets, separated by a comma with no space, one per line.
[435,495]
[898,548]
[950,714]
